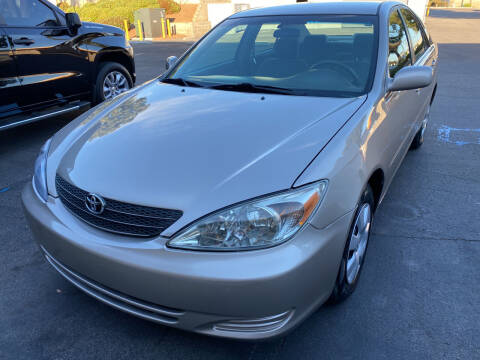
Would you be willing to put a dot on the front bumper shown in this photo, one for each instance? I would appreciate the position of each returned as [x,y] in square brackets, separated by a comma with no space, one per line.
[246,295]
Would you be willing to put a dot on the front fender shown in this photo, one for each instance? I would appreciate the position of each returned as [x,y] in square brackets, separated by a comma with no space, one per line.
[348,161]
[108,46]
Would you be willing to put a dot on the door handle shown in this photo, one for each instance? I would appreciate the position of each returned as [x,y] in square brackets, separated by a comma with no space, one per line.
[23,41]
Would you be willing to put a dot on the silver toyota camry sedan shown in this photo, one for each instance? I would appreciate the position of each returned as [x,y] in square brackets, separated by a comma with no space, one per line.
[234,195]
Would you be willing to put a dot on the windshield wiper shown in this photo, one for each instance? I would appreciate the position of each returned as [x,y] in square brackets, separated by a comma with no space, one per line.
[249,87]
[182,82]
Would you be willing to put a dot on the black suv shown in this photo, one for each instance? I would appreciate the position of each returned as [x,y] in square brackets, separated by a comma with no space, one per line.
[51,63]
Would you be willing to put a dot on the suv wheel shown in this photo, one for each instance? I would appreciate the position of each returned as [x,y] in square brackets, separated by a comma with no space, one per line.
[112,80]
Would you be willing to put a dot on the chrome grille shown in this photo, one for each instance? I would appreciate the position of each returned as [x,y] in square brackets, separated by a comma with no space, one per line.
[118,217]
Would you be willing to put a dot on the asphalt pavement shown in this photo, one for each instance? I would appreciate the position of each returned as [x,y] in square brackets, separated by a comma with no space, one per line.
[419,295]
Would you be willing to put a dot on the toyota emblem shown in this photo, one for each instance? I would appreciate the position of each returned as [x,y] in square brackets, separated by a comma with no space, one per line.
[95,203]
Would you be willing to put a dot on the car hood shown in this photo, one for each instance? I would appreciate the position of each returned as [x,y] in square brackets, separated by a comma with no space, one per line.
[194,149]
[95,27]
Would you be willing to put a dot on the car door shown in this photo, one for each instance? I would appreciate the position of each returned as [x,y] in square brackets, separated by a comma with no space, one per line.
[9,82]
[400,106]
[50,66]
[423,54]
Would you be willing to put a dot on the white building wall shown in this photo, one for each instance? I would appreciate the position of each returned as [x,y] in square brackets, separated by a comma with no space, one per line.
[419,6]
[218,12]
[264,3]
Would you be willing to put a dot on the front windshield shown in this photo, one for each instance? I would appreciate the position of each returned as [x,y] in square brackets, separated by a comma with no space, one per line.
[310,55]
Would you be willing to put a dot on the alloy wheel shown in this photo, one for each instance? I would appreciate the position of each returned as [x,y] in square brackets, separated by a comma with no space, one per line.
[358,242]
[424,125]
[114,84]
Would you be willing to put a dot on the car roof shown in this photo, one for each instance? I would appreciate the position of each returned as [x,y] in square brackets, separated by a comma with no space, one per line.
[339,8]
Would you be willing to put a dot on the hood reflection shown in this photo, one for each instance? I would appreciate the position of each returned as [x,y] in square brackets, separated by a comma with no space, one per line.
[120,116]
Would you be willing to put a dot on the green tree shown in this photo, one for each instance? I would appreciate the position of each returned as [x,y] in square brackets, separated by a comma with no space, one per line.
[113,12]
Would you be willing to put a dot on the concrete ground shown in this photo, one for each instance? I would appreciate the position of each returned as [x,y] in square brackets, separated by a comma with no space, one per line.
[419,296]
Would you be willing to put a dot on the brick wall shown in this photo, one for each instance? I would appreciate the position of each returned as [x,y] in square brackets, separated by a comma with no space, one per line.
[200,20]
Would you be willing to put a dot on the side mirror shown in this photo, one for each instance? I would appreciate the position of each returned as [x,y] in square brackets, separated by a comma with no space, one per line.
[411,77]
[171,60]
[73,22]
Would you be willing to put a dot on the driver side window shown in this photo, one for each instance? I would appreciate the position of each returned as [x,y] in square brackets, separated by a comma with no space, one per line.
[419,44]
[27,13]
[399,51]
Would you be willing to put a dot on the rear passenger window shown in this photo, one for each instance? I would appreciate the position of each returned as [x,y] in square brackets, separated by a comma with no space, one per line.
[26,13]
[419,44]
[399,51]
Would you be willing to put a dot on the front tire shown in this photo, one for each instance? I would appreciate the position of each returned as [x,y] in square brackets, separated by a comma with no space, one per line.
[355,249]
[112,80]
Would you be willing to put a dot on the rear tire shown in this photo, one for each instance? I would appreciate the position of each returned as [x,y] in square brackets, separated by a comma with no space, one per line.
[355,249]
[112,80]
[420,135]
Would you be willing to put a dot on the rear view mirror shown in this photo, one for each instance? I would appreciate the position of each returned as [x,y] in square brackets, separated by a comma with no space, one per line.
[73,22]
[171,60]
[411,77]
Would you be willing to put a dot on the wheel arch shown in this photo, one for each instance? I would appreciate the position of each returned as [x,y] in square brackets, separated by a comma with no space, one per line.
[376,181]
[117,55]
[433,94]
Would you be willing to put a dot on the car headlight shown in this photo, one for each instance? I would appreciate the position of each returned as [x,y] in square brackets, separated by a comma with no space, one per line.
[255,224]
[40,173]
